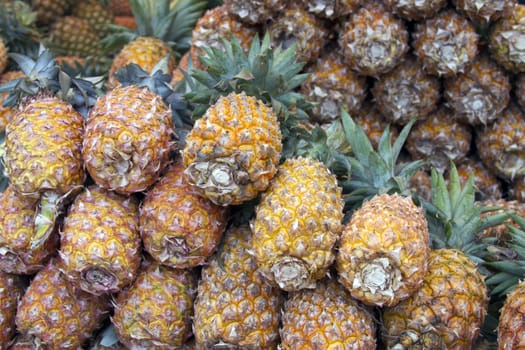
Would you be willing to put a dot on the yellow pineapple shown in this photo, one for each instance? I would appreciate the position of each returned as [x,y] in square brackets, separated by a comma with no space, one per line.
[446,312]
[155,311]
[511,327]
[235,307]
[232,152]
[297,223]
[54,314]
[182,238]
[326,317]
[383,252]
[100,246]
[11,290]
[127,139]
[163,28]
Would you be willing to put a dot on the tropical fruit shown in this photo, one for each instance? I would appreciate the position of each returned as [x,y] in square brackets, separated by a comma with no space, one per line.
[504,40]
[11,291]
[415,10]
[511,327]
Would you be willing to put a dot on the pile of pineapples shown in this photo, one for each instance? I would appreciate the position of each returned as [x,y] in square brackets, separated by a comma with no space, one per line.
[262,174]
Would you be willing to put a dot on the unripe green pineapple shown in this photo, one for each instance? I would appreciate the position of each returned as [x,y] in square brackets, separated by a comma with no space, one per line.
[232,152]
[99,241]
[235,306]
[187,236]
[383,252]
[297,223]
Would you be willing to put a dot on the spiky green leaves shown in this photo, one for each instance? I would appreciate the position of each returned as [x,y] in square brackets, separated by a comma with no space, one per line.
[375,172]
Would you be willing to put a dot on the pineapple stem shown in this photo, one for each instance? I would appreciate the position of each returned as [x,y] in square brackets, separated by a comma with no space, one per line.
[45,218]
[291,274]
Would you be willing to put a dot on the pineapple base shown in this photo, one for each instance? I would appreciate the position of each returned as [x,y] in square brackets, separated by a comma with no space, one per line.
[291,274]
[415,340]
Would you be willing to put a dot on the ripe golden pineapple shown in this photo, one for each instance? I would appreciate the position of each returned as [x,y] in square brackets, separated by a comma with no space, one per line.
[99,242]
[297,223]
[22,251]
[505,40]
[383,252]
[332,85]
[372,40]
[484,11]
[446,43]
[127,139]
[406,92]
[488,186]
[480,93]
[331,9]
[501,146]
[182,238]
[446,312]
[254,12]
[55,314]
[511,326]
[155,311]
[439,138]
[415,10]
[11,290]
[295,25]
[232,152]
[235,307]
[326,317]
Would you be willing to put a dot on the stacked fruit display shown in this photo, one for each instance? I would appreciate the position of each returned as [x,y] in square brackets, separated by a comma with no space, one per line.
[262,175]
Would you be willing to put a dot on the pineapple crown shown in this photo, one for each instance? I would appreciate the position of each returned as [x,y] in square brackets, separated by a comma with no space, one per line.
[269,74]
[169,20]
[44,76]
[17,27]
[375,172]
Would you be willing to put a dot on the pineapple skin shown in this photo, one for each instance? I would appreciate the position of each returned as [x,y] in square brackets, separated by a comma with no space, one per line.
[406,92]
[58,314]
[511,326]
[448,310]
[96,14]
[487,185]
[331,9]
[519,90]
[415,10]
[144,51]
[99,243]
[501,146]
[234,304]
[254,12]
[128,139]
[44,148]
[504,40]
[17,229]
[11,291]
[484,11]
[446,29]
[232,152]
[155,311]
[49,10]
[372,40]
[73,36]
[383,252]
[326,317]
[298,222]
[187,236]
[332,85]
[3,56]
[7,113]
[373,123]
[480,94]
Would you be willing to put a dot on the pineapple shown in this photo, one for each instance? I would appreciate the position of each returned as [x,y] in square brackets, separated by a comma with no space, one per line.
[163,29]
[235,307]
[439,138]
[54,314]
[254,12]
[94,12]
[372,40]
[373,123]
[511,327]
[485,11]
[406,92]
[7,113]
[446,312]
[73,36]
[332,85]
[446,44]
[331,9]
[479,94]
[127,139]
[48,11]
[488,186]
[519,90]
[100,244]
[121,8]
[415,10]
[21,252]
[501,146]
[11,290]
[517,191]
[295,25]
[501,232]
[505,40]
[383,252]
[421,184]
[186,237]
[4,58]
[297,223]
[155,311]
[232,152]
[326,317]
